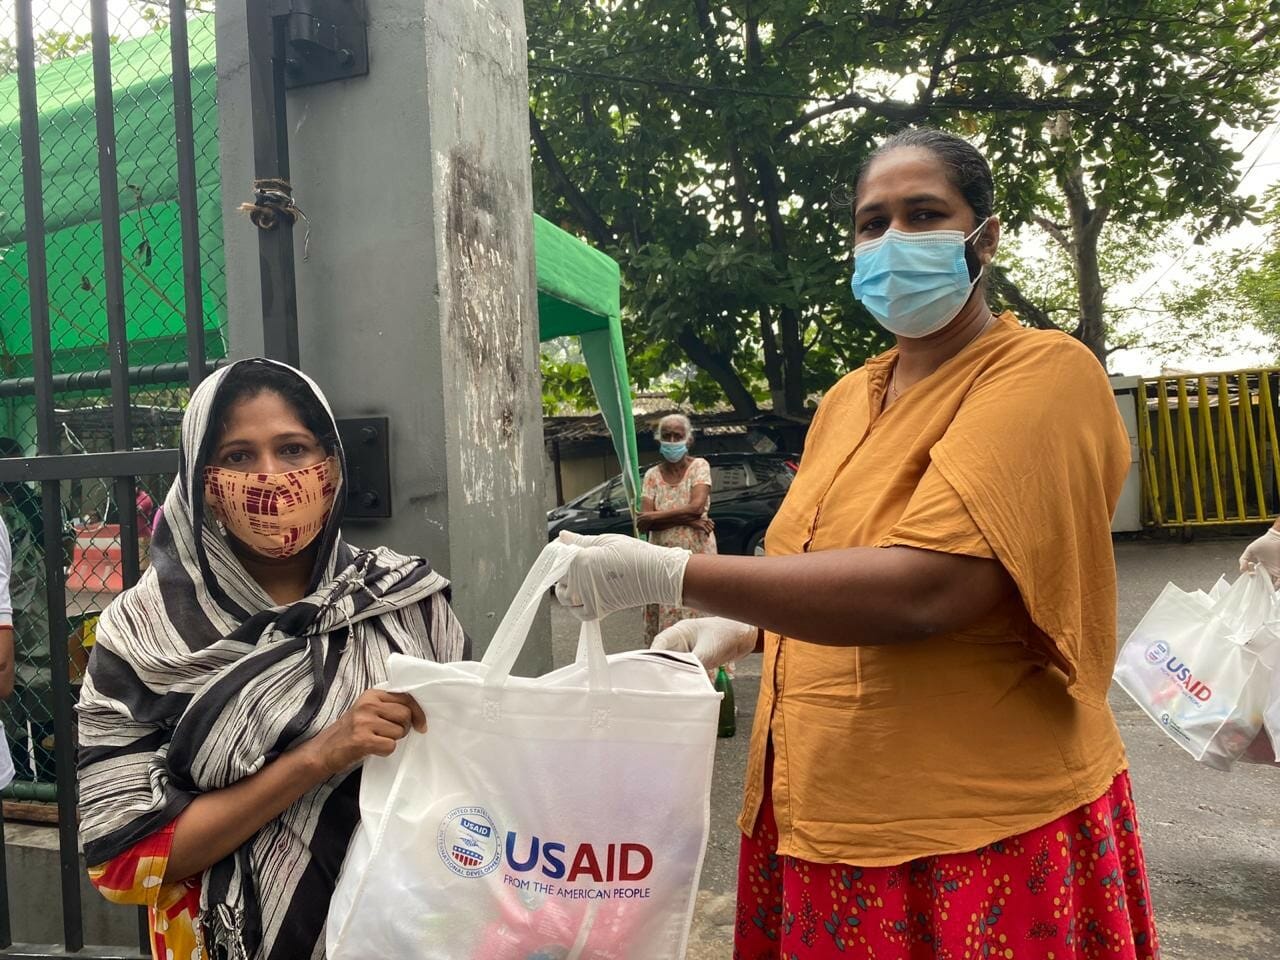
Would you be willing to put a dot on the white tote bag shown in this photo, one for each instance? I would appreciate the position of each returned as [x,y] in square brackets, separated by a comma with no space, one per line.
[559,817]
[1269,642]
[1193,665]
[1271,716]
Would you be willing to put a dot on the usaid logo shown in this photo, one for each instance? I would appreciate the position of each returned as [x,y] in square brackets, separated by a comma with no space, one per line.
[1195,689]
[557,860]
[468,842]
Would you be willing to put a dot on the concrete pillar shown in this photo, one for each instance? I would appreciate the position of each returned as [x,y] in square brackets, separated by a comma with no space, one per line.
[418,298]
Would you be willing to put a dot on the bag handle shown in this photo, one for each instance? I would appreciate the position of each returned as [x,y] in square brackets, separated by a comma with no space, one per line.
[513,631]
[1246,605]
[509,639]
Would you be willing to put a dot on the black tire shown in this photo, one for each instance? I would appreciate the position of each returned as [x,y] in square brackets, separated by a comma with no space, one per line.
[755,544]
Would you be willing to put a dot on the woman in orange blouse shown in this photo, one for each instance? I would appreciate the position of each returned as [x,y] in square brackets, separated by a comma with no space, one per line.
[934,769]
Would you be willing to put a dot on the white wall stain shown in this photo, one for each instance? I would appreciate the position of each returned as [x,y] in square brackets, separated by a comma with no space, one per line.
[484,265]
[483,305]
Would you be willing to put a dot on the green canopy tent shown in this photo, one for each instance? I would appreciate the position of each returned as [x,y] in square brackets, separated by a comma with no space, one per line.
[578,295]
[150,227]
[578,286]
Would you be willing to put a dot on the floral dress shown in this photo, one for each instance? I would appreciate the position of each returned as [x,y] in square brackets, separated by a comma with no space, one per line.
[674,496]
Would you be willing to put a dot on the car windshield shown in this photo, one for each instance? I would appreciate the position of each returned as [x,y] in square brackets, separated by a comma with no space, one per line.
[610,492]
[772,470]
[592,499]
[616,497]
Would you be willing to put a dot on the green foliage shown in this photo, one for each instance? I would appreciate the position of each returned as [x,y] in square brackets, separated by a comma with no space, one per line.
[566,387]
[710,145]
[1045,274]
[50,45]
[1236,289]
[55,44]
[60,44]
[156,12]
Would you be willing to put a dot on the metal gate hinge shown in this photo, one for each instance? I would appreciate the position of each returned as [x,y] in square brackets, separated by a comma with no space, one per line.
[366,443]
[324,40]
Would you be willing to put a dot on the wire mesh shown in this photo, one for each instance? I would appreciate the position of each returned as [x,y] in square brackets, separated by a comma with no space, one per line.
[141,301]
[91,550]
[155,315]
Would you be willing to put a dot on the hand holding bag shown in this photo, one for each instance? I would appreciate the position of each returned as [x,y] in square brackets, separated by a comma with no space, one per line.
[561,816]
[1194,665]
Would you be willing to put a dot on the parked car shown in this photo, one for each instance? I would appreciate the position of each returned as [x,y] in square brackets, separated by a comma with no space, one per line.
[746,490]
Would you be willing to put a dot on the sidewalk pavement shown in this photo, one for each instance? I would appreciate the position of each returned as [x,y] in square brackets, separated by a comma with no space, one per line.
[1212,839]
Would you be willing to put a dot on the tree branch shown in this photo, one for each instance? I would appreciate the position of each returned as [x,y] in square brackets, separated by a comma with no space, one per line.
[797,33]
[889,109]
[1055,231]
[1127,345]
[907,112]
[1010,293]
[1097,220]
[720,368]
[1072,185]
[937,65]
[771,189]
[773,372]
[601,233]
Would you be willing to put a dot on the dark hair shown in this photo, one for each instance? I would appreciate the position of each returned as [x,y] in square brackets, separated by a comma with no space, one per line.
[966,168]
[248,380]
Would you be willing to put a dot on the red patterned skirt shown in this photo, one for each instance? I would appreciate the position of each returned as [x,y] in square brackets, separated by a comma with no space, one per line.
[1074,889]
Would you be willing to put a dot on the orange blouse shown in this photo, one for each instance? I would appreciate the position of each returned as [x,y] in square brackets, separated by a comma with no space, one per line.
[1012,450]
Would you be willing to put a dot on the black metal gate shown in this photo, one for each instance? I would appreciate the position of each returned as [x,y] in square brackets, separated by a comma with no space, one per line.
[121,464]
[135,439]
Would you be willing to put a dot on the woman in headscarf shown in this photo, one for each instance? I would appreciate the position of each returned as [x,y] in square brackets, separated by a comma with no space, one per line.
[229,699]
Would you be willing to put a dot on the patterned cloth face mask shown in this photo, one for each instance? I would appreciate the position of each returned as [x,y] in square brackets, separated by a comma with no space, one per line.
[276,514]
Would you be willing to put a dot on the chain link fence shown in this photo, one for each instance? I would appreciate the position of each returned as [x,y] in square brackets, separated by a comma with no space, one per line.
[155,308]
[91,553]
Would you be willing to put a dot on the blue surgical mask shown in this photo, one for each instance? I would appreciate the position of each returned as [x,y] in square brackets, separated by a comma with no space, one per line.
[674,452]
[914,284]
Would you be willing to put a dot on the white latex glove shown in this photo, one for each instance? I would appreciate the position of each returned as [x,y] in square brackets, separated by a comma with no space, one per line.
[613,572]
[713,640]
[1265,551]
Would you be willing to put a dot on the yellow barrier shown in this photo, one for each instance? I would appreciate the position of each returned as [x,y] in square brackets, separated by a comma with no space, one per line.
[1209,452]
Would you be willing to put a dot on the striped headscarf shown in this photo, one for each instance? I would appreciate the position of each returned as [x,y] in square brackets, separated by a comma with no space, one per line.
[198,679]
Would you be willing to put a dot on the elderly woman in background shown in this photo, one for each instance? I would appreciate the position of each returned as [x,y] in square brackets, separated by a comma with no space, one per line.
[674,503]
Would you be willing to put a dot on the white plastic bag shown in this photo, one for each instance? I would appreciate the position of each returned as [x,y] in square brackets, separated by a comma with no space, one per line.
[1193,665]
[564,816]
[1270,655]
